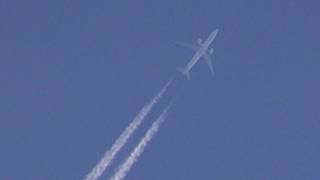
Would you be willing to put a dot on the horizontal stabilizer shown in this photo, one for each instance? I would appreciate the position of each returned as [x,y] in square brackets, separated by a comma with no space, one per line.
[180,69]
[186,73]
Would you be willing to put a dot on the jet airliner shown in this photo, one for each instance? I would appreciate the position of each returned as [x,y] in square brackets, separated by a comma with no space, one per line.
[201,50]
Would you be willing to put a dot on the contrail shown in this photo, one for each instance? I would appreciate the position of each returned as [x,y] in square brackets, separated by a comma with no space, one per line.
[108,157]
[125,167]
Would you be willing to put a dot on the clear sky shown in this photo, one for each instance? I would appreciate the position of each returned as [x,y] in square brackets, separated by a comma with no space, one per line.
[74,73]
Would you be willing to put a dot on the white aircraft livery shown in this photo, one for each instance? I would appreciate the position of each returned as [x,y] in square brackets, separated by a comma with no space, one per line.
[202,50]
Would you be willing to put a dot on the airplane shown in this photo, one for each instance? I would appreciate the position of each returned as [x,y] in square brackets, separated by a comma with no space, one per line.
[202,50]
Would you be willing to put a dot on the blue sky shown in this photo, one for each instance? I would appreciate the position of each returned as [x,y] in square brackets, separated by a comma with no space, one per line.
[74,73]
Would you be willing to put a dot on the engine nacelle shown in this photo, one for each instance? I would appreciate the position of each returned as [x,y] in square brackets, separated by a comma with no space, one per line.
[211,51]
[199,41]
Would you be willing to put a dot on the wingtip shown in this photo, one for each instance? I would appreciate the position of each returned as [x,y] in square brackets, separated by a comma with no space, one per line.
[187,75]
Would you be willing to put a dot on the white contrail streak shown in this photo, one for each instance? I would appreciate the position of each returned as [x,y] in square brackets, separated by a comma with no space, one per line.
[125,167]
[108,157]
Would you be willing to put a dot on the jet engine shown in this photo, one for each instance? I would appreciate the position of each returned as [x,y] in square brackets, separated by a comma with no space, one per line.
[211,51]
[199,41]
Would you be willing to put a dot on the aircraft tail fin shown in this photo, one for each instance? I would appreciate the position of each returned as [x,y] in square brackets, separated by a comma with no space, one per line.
[186,73]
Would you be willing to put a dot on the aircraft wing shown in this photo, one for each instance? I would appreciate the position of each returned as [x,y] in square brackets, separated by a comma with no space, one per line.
[208,59]
[194,47]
